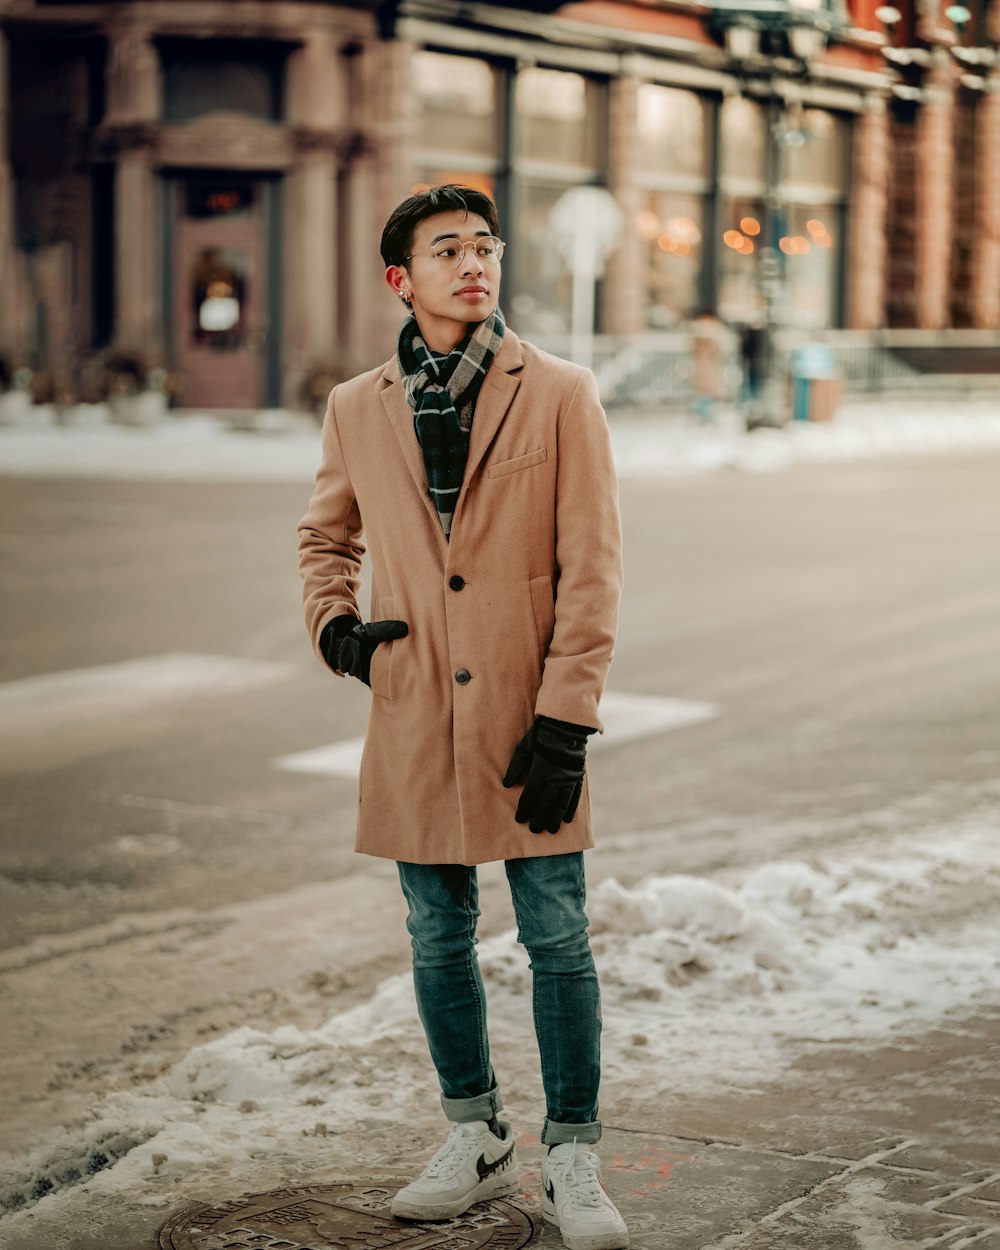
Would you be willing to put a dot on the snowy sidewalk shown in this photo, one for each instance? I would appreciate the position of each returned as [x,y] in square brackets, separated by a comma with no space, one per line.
[799,1057]
[284,448]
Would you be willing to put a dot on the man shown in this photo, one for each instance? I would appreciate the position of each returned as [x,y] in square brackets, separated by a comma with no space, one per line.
[480,471]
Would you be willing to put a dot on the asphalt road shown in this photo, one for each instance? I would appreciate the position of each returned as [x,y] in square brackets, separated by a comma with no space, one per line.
[162,881]
[842,617]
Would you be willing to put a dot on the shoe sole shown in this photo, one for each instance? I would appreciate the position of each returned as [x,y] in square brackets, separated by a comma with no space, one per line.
[494,1187]
[585,1241]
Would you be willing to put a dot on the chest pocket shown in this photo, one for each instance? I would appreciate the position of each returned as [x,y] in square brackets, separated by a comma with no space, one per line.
[503,467]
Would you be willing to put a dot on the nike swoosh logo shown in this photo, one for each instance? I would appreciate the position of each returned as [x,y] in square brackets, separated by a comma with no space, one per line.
[487,1169]
[550,1191]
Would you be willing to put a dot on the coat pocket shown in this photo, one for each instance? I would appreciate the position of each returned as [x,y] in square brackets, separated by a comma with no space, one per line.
[381,669]
[503,467]
[543,609]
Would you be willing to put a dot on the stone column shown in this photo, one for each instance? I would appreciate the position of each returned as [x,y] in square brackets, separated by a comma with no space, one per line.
[928,17]
[312,224]
[985,276]
[395,137]
[624,286]
[866,266]
[316,111]
[365,293]
[14,314]
[364,336]
[935,192]
[396,123]
[129,131]
[993,21]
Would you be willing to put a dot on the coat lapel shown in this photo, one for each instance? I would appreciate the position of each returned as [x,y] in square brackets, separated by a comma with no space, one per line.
[400,416]
[499,388]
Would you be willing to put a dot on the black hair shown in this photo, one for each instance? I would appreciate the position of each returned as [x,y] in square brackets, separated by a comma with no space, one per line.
[397,237]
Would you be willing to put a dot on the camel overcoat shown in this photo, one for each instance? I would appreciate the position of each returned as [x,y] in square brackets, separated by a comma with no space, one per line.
[514,617]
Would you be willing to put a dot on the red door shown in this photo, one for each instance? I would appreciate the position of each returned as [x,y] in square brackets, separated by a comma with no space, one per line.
[219,293]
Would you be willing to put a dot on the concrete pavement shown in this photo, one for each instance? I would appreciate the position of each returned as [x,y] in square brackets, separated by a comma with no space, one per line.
[857,1149]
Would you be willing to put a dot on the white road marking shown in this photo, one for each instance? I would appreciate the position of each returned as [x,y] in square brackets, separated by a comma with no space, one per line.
[627,718]
[84,696]
[339,759]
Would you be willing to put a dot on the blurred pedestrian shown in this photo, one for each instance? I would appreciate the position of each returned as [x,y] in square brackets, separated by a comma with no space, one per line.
[753,341]
[480,470]
[708,361]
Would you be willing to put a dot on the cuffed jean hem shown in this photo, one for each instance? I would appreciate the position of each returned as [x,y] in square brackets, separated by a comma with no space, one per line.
[465,1110]
[554,1133]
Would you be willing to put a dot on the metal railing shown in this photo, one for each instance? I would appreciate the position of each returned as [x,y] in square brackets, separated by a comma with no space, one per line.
[656,369]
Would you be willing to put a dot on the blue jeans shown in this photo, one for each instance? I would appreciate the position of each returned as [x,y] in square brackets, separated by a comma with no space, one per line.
[548,893]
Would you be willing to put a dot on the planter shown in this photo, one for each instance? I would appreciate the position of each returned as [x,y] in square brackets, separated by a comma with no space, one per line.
[142,409]
[15,407]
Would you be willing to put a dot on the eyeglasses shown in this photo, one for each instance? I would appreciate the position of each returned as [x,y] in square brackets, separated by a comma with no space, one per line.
[449,253]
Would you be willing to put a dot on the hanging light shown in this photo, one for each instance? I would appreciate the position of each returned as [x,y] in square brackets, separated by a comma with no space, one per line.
[743,40]
[806,42]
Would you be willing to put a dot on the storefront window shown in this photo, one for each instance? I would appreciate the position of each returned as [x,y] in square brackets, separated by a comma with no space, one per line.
[558,137]
[799,230]
[457,102]
[542,278]
[197,83]
[742,224]
[819,159]
[557,117]
[743,156]
[673,131]
[672,222]
[811,254]
[808,227]
[675,157]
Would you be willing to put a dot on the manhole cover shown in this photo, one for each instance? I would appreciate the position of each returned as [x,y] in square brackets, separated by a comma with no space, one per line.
[339,1217]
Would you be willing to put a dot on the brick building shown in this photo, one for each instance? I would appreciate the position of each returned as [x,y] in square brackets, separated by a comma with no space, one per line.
[205,182]
[944,202]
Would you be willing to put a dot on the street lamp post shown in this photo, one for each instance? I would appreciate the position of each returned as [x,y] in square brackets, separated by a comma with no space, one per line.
[786,131]
[756,35]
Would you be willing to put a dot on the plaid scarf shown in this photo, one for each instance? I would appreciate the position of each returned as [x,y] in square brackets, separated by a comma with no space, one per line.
[442,391]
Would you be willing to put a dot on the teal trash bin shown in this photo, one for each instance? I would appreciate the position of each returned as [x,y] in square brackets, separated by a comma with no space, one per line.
[814,383]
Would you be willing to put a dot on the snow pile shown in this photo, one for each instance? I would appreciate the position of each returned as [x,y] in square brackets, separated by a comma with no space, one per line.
[713,985]
[188,449]
[285,448]
[704,984]
[652,447]
[725,987]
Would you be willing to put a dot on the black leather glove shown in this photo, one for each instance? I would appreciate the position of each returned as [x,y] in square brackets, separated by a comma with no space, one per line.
[348,645]
[553,754]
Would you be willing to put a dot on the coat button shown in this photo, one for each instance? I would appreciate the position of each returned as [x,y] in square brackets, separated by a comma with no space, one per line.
[456,582]
[463,677]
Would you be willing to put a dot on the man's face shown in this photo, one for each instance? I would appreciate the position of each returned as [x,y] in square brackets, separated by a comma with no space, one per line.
[445,296]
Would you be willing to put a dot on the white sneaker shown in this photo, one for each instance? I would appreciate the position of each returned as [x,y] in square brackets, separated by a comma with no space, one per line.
[470,1167]
[575,1200]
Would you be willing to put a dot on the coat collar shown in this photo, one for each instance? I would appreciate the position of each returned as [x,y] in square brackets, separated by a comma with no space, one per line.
[507,359]
[498,390]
